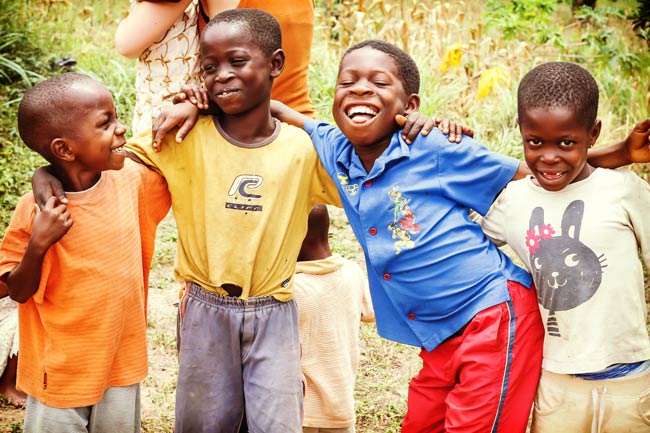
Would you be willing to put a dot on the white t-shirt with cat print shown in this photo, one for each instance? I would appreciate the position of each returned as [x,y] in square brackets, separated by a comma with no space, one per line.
[581,245]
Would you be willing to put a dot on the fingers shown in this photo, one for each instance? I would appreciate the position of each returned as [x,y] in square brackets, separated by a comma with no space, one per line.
[429,124]
[185,128]
[642,127]
[162,126]
[400,120]
[197,96]
[179,97]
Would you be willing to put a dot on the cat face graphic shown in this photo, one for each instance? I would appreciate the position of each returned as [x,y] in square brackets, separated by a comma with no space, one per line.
[567,272]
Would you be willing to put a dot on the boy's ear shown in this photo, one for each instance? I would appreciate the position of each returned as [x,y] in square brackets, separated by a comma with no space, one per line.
[412,104]
[60,149]
[277,63]
[595,132]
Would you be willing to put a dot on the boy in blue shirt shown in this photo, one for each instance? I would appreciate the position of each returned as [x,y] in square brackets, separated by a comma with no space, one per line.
[436,281]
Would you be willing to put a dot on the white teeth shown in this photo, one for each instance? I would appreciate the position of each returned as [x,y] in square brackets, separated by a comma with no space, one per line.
[118,149]
[361,109]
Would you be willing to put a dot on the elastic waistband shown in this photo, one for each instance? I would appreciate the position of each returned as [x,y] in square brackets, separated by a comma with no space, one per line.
[200,293]
[632,384]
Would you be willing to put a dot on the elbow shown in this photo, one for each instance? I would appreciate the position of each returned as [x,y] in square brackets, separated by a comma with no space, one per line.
[18,297]
[126,48]
[126,43]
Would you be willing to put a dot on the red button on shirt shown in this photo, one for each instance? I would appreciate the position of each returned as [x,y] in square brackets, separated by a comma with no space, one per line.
[368,183]
[372,231]
[386,277]
[411,316]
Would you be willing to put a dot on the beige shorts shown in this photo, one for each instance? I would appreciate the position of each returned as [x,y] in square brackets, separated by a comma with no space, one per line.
[568,404]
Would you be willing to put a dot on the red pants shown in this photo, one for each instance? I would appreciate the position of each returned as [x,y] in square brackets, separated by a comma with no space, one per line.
[483,380]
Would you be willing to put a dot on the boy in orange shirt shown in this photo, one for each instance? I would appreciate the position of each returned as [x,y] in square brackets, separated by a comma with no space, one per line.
[82,288]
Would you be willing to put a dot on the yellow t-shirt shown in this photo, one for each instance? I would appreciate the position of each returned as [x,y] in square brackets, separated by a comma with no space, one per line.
[241,212]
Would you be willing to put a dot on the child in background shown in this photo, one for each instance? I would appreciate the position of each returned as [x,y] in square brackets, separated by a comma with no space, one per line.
[164,37]
[82,288]
[579,229]
[332,296]
[9,349]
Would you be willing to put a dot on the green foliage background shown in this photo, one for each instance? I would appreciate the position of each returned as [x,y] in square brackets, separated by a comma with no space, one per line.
[611,41]
[514,36]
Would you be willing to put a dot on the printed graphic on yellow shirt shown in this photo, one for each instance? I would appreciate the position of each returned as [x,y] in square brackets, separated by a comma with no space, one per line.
[242,193]
[403,225]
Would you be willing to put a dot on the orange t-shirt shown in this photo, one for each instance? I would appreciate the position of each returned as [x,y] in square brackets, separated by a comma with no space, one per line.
[84,330]
[296,18]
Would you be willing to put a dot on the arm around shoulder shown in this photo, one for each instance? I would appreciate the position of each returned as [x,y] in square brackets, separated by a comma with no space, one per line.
[146,23]
[634,149]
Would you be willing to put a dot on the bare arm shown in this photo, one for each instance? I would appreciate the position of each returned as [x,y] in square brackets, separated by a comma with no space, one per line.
[146,23]
[288,115]
[635,148]
[522,171]
[49,226]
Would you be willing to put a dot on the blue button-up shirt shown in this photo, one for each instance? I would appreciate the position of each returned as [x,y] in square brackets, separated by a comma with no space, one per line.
[430,267]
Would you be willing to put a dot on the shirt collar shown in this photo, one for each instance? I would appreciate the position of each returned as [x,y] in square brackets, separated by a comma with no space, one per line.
[396,150]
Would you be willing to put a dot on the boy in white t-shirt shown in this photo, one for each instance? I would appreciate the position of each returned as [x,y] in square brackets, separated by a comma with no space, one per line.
[578,230]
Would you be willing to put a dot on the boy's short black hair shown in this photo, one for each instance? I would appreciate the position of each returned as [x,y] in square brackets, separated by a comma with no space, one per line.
[559,84]
[262,27]
[406,67]
[45,110]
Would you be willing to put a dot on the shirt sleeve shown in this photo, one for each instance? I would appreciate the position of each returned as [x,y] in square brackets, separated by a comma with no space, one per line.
[494,223]
[16,238]
[636,201]
[325,138]
[472,175]
[141,145]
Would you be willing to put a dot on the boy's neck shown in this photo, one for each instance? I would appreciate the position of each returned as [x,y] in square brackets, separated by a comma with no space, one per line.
[75,180]
[250,127]
[368,154]
[314,252]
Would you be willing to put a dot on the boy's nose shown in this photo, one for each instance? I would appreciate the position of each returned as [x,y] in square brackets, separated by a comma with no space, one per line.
[224,75]
[120,129]
[360,88]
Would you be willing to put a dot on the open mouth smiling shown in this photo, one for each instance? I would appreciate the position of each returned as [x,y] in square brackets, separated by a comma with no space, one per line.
[361,113]
[226,92]
[118,149]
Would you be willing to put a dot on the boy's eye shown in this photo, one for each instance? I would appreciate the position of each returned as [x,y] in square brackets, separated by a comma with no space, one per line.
[534,142]
[345,83]
[566,143]
[209,69]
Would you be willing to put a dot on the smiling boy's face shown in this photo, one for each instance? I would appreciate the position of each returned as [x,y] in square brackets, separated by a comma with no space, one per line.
[238,74]
[369,94]
[96,136]
[556,141]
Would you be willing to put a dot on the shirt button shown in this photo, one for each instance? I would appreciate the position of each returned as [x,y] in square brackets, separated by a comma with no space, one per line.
[411,316]
[368,183]
[372,231]
[386,277]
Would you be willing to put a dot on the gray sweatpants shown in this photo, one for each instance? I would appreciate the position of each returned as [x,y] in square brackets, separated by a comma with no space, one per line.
[234,352]
[117,412]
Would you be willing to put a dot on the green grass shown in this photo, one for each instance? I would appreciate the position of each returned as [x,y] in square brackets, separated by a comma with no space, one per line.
[34,34]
